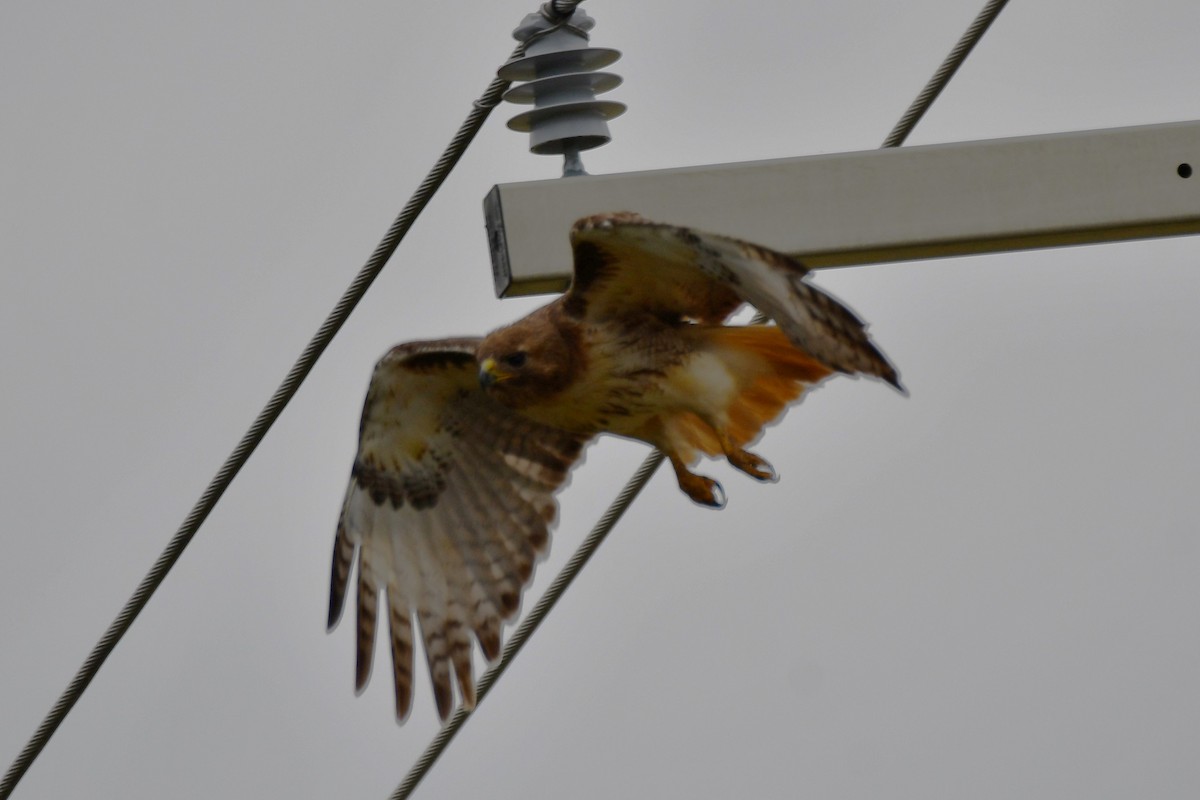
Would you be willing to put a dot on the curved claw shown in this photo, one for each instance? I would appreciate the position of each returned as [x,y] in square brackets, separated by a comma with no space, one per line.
[718,495]
[706,492]
[703,491]
[753,465]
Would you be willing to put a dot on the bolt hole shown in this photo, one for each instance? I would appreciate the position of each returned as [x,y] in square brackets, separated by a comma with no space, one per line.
[1184,170]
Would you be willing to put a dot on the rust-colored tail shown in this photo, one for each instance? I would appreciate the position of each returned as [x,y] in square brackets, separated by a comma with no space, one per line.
[781,375]
[769,373]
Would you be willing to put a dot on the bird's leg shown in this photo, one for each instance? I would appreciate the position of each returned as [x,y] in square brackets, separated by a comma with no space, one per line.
[753,465]
[702,490]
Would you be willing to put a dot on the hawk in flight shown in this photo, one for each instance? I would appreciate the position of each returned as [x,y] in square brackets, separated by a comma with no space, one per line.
[464,442]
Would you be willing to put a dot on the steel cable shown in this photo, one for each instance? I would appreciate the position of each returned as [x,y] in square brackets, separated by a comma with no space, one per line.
[233,464]
[530,623]
[958,54]
[643,474]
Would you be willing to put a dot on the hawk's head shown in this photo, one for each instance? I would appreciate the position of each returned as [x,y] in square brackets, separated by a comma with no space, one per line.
[531,360]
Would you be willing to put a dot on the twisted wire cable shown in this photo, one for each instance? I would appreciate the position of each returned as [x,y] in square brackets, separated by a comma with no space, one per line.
[530,623]
[643,474]
[287,389]
[958,54]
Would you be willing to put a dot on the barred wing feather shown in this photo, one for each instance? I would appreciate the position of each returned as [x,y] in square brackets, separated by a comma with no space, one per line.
[449,507]
[625,263]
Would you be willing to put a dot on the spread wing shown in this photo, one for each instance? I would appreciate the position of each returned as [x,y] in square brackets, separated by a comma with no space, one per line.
[450,504]
[626,264]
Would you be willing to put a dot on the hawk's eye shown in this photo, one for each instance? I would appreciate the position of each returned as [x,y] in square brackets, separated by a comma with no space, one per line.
[515,360]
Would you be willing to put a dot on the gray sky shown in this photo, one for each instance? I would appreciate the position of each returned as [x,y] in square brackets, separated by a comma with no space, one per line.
[985,590]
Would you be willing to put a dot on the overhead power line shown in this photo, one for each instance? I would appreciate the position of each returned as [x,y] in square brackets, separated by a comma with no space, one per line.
[554,9]
[958,54]
[642,476]
[531,621]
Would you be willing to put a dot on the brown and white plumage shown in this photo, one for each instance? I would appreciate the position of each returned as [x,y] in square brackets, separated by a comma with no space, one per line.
[450,503]
[464,442]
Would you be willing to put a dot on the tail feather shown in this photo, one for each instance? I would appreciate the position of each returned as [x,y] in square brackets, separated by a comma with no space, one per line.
[769,373]
[775,377]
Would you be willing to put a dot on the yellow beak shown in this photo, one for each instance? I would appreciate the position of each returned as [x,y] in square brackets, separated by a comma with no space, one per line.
[489,373]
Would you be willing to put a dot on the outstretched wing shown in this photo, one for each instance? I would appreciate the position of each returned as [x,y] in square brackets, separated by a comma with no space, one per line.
[624,264]
[450,504]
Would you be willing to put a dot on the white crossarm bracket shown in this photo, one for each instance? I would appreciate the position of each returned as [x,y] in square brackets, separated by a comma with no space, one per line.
[878,205]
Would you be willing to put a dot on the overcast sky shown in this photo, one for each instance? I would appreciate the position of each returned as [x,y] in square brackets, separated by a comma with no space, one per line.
[988,589]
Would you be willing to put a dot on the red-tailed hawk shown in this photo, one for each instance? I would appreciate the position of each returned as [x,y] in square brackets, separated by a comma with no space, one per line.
[464,442]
